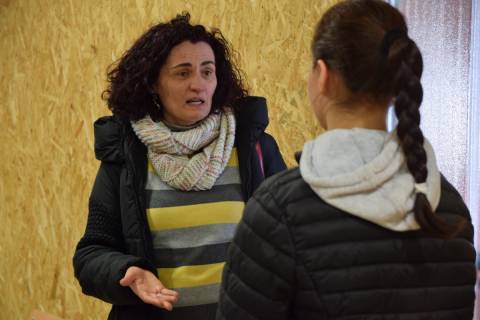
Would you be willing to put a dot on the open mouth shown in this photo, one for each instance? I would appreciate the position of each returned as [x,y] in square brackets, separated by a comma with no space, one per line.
[195,102]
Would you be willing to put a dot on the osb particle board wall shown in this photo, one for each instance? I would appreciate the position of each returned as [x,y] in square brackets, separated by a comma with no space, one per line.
[53,59]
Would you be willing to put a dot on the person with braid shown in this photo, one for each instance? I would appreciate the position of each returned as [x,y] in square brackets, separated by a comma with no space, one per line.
[367,227]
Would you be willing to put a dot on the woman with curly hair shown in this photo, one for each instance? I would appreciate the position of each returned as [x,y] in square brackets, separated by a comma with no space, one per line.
[183,151]
[366,228]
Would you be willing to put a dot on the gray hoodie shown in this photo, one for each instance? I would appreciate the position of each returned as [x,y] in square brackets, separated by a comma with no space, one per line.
[364,173]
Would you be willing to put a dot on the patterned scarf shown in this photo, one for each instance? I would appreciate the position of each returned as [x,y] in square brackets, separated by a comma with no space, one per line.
[191,159]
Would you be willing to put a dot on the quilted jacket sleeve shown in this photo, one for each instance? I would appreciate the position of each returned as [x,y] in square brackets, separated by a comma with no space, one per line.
[258,279]
[99,261]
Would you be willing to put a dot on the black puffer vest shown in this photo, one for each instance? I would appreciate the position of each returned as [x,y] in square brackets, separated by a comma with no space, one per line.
[296,257]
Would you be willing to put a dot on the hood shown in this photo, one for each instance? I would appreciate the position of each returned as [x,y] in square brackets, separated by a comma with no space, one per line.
[109,134]
[363,172]
[252,112]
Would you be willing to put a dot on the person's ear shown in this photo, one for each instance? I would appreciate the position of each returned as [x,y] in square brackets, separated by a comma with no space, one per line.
[323,76]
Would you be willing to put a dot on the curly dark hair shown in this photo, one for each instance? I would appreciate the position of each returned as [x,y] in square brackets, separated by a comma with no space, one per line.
[366,42]
[132,77]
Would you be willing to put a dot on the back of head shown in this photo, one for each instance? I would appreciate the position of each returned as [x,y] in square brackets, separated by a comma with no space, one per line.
[350,39]
[366,43]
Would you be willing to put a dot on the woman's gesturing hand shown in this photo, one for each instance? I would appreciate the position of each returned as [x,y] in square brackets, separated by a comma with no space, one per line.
[148,288]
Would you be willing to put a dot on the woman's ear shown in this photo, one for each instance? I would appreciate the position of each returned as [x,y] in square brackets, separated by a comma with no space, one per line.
[323,76]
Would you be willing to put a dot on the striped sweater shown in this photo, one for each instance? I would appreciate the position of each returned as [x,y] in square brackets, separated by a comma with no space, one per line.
[191,232]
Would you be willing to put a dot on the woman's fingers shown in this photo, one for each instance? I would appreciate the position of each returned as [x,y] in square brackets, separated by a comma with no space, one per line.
[167,305]
[161,301]
[132,274]
[148,288]
[168,298]
[152,299]
[128,279]
[168,292]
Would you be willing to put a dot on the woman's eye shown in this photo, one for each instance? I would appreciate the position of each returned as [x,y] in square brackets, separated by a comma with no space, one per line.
[183,74]
[208,72]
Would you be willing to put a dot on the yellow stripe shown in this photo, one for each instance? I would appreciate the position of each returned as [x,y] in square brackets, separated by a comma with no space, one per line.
[191,276]
[150,167]
[194,215]
[232,162]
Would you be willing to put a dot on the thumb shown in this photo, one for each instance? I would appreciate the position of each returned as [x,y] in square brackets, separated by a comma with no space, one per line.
[129,278]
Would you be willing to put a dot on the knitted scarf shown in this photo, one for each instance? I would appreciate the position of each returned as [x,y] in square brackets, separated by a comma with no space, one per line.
[191,159]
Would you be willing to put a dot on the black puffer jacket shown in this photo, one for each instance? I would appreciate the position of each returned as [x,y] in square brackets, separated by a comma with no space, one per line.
[117,235]
[296,257]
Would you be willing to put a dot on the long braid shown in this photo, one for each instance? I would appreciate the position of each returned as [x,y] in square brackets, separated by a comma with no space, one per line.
[366,42]
[408,93]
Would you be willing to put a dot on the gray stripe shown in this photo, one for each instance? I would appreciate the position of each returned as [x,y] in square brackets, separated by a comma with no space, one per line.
[172,198]
[229,176]
[197,295]
[194,236]
[172,258]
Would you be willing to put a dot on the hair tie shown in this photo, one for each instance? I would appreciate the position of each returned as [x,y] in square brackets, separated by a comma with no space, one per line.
[390,37]
[421,188]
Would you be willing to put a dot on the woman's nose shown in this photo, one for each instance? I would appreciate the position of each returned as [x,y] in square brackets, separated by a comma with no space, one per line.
[197,83]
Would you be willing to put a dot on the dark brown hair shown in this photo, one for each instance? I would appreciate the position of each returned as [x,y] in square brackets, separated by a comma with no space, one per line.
[366,43]
[132,77]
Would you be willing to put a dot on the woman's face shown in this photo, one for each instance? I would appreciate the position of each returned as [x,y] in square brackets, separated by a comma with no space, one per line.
[186,83]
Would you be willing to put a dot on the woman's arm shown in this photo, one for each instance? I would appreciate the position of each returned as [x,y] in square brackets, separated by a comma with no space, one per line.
[99,261]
